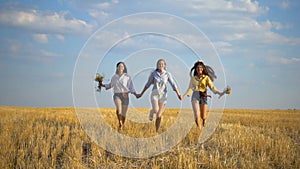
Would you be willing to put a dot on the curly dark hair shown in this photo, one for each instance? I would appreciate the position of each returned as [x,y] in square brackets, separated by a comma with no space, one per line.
[207,70]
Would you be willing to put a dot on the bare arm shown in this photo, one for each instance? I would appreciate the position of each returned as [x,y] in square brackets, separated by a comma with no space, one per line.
[143,91]
[178,94]
[189,90]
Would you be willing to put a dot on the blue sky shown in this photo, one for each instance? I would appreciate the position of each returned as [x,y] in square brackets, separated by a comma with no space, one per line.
[257,43]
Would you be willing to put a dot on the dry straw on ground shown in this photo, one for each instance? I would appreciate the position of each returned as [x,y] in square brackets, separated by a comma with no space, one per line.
[53,138]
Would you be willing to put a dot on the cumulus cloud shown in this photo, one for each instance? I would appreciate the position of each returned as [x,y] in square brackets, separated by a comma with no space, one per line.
[44,22]
[41,38]
[284,4]
[98,10]
[218,7]
[102,15]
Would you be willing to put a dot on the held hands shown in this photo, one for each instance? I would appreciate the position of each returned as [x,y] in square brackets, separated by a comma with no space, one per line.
[138,96]
[181,97]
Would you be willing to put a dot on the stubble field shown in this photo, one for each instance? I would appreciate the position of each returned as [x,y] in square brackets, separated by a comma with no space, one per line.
[54,138]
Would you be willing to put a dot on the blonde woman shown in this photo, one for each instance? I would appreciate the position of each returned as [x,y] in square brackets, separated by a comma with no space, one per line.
[159,78]
[122,85]
[199,82]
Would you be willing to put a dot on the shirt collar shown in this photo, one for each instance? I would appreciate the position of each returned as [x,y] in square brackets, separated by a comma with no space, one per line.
[121,75]
[163,72]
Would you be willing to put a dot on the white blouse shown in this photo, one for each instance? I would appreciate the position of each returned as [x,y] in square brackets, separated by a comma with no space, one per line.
[121,84]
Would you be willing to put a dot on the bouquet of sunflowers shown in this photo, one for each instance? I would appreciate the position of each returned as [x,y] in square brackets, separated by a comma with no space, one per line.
[99,78]
[227,90]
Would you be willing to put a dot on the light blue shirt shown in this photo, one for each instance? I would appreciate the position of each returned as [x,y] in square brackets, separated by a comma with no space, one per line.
[160,81]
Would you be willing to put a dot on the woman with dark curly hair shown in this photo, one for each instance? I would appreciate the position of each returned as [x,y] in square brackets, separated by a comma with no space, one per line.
[200,79]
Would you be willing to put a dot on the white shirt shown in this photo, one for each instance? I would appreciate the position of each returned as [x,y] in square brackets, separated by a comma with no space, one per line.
[121,84]
[160,81]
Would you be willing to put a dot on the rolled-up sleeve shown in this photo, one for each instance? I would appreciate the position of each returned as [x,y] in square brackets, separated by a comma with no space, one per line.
[111,84]
[189,91]
[131,86]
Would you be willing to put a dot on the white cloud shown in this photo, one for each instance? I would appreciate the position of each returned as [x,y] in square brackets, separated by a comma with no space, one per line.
[250,30]
[60,37]
[235,21]
[41,38]
[223,47]
[44,22]
[98,14]
[235,36]
[146,22]
[284,4]
[284,60]
[277,25]
[49,54]
[103,5]
[221,6]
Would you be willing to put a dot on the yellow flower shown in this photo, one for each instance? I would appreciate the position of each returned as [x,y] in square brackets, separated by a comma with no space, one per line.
[228,90]
[99,78]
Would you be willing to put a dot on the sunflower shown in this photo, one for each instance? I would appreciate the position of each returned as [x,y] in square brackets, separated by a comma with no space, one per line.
[99,78]
[228,90]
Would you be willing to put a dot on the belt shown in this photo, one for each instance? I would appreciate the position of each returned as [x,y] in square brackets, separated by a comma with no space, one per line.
[203,96]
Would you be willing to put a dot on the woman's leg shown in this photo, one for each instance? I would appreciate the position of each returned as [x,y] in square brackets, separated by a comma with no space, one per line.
[123,114]
[203,110]
[154,109]
[118,104]
[196,110]
[161,109]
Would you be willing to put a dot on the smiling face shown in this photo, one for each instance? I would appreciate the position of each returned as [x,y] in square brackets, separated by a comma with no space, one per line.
[199,69]
[120,68]
[161,65]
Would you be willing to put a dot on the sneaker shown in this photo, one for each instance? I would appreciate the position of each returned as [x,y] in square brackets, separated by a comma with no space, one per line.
[151,114]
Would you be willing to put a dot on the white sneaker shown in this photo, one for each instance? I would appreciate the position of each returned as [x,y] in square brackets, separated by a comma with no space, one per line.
[151,115]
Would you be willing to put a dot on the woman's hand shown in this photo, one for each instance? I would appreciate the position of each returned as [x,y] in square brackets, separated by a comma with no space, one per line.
[220,94]
[179,96]
[138,95]
[182,97]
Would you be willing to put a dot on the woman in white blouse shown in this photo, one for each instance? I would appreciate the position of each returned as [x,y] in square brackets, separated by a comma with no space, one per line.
[159,78]
[122,85]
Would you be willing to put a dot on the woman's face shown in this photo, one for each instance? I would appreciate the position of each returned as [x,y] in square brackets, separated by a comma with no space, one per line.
[199,69]
[121,68]
[161,65]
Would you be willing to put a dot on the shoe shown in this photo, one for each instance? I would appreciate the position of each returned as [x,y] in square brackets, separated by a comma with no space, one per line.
[204,123]
[151,114]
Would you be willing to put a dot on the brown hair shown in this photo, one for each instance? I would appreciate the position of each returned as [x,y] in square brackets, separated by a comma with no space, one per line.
[125,68]
[207,70]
